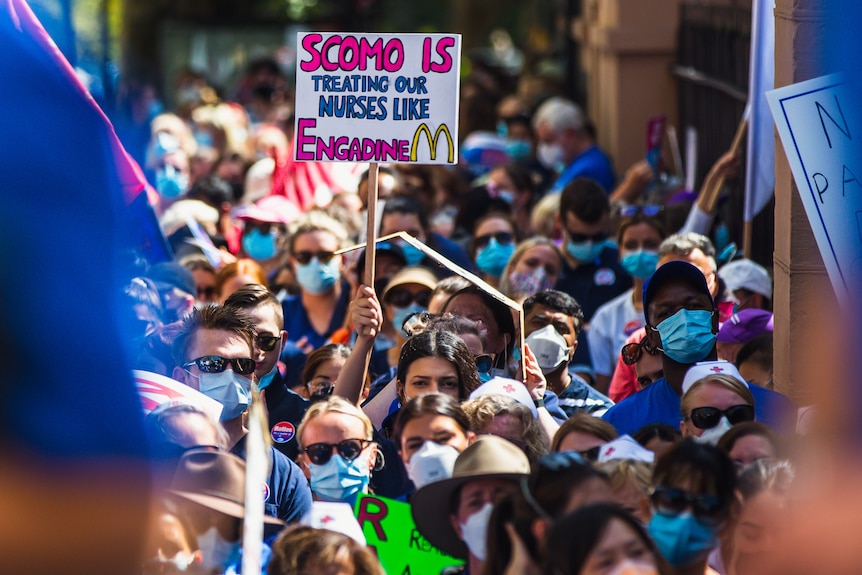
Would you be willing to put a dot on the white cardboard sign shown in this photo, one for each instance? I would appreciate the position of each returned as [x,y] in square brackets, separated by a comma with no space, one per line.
[820,128]
[377,98]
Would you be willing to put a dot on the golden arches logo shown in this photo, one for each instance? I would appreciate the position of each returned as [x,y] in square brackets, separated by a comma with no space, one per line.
[432,142]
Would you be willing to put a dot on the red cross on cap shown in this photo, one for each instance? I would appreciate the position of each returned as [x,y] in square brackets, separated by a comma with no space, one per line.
[509,388]
[716,369]
[610,450]
[327,519]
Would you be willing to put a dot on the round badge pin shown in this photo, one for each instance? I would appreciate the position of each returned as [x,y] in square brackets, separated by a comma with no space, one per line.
[604,277]
[282,432]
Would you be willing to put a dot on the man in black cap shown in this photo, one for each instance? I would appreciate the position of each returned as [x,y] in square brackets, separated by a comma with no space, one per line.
[177,289]
[681,323]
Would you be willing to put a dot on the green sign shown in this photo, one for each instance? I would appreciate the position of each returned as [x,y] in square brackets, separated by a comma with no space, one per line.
[389,529]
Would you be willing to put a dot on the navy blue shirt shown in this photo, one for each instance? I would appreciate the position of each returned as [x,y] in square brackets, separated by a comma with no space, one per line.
[592,284]
[659,403]
[298,326]
[288,496]
[593,164]
[286,410]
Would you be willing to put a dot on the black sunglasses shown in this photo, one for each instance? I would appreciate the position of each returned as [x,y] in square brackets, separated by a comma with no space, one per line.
[708,417]
[217,364]
[591,454]
[267,342]
[581,238]
[349,449]
[484,362]
[649,210]
[672,501]
[501,237]
[403,298]
[264,228]
[207,292]
[304,257]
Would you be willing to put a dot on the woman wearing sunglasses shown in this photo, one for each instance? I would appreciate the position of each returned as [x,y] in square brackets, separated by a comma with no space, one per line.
[640,232]
[714,398]
[492,245]
[337,451]
[406,294]
[692,502]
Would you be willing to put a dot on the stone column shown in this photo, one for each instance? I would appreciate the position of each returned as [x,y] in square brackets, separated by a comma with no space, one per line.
[802,292]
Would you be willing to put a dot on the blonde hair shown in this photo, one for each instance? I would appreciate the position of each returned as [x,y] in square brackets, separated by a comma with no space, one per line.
[482,410]
[727,381]
[542,219]
[622,472]
[318,221]
[505,284]
[335,404]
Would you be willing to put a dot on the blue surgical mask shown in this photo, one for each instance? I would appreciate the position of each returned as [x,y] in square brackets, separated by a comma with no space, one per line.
[682,539]
[507,196]
[317,278]
[492,259]
[519,150]
[412,254]
[269,377]
[686,336]
[230,389]
[585,252]
[170,182]
[258,246]
[340,480]
[399,314]
[640,264]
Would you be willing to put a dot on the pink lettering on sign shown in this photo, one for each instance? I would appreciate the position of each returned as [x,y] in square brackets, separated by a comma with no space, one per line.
[373,511]
[442,50]
[348,53]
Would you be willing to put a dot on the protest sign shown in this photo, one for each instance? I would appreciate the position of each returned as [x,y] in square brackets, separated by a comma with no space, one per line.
[390,531]
[155,389]
[377,98]
[469,276]
[819,125]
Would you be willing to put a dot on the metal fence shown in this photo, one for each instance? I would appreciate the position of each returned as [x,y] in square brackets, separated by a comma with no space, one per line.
[712,72]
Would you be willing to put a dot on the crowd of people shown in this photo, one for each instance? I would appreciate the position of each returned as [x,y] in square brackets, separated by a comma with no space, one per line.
[628,424]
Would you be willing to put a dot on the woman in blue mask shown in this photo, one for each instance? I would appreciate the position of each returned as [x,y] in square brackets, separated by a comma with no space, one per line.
[492,245]
[337,450]
[692,501]
[408,292]
[312,315]
[639,235]
[265,230]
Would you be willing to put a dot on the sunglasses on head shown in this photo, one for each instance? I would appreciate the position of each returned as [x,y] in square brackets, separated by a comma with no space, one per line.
[632,352]
[217,364]
[708,417]
[265,228]
[673,501]
[305,256]
[581,238]
[267,342]
[403,298]
[501,237]
[649,210]
[484,363]
[349,449]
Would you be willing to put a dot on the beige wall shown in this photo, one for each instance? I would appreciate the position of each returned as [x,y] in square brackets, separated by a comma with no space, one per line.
[629,47]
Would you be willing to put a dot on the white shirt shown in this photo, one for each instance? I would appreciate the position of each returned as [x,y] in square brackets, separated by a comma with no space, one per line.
[610,327]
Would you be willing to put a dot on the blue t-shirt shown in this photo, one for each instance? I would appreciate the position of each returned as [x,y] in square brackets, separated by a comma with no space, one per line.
[659,403]
[288,496]
[593,164]
[297,324]
[581,397]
